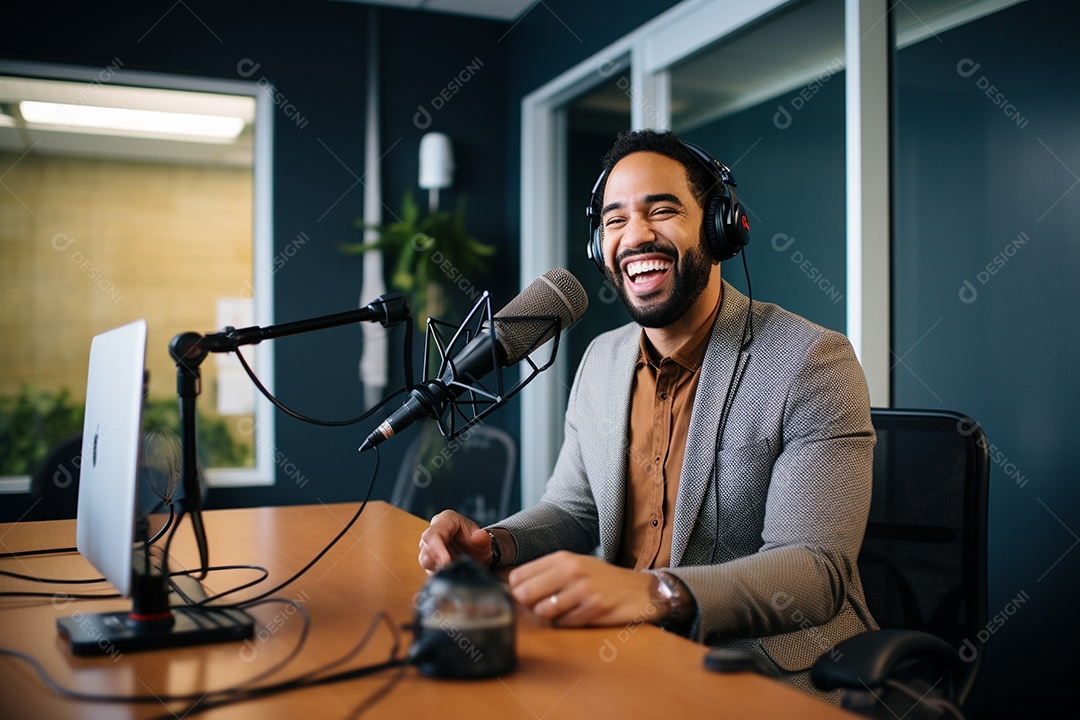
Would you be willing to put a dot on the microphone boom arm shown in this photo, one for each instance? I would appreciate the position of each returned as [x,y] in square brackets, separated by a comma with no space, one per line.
[388,310]
[190,349]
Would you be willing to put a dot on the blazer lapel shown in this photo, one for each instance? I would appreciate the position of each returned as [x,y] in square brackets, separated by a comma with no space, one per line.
[611,500]
[722,362]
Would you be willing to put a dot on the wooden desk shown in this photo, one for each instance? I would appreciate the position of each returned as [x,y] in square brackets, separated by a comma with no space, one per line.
[591,673]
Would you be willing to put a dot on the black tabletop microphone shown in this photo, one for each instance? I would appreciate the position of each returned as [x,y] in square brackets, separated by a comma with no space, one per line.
[556,293]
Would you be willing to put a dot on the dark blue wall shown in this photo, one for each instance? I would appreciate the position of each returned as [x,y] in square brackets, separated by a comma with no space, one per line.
[985,262]
[791,175]
[553,37]
[315,55]
[969,180]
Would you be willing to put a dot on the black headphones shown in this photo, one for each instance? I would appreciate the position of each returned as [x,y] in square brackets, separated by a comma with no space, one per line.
[727,229]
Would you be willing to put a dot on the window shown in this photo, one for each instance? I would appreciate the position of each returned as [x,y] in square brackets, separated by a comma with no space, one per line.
[127,195]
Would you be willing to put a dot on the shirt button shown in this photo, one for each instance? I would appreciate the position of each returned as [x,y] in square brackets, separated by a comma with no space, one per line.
[655,523]
[663,396]
[656,459]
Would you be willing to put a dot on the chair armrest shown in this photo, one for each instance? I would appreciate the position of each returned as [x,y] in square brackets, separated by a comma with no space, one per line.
[867,659]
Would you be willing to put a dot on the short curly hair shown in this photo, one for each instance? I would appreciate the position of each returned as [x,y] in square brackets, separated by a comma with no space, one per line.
[701,179]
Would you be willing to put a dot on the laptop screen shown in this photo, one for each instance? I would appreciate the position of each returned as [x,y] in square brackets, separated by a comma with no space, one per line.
[105,524]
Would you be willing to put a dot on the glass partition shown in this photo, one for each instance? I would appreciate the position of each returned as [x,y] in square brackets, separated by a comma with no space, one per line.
[768,101]
[592,122]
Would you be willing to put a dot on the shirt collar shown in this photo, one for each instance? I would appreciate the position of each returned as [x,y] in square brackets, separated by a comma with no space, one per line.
[691,353]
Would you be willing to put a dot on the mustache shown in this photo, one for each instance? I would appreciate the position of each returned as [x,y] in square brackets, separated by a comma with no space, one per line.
[645,250]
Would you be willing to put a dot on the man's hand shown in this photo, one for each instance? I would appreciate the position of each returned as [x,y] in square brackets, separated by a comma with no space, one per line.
[450,536]
[577,590]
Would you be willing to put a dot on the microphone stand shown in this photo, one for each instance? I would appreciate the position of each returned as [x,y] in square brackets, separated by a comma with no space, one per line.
[190,349]
[152,622]
[481,400]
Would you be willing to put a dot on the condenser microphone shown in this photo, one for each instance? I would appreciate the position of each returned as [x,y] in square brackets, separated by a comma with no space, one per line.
[556,293]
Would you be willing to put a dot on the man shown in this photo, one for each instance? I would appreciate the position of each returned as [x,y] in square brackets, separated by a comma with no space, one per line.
[717,455]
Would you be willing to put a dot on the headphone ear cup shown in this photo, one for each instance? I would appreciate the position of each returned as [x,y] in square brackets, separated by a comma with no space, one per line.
[595,247]
[729,226]
[740,226]
[714,227]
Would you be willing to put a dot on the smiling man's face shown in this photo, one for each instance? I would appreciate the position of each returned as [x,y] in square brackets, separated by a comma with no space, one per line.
[653,245]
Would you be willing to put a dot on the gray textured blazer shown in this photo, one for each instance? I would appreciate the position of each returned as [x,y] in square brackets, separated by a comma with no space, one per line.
[769,517]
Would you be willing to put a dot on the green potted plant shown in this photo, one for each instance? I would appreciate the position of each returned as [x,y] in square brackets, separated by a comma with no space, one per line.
[435,265]
[434,258]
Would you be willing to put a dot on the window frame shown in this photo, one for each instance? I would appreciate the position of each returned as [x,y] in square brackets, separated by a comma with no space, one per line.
[262,281]
[652,50]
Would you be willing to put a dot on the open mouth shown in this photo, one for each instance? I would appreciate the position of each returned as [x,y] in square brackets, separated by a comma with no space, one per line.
[645,273]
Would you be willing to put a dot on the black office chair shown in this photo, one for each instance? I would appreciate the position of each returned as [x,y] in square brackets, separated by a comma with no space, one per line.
[54,484]
[472,474]
[923,568]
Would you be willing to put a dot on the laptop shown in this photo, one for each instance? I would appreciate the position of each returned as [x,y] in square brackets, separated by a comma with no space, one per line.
[105,525]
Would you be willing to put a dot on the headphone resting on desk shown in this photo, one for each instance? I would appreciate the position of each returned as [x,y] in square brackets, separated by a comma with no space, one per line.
[727,230]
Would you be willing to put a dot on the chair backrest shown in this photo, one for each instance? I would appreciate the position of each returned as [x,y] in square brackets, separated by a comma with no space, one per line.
[473,474]
[54,485]
[923,561]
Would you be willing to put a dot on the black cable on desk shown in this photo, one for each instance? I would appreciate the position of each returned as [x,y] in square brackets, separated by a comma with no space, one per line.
[239,693]
[72,596]
[301,571]
[192,603]
[109,596]
[206,601]
[57,551]
[51,581]
[40,551]
[242,692]
[309,679]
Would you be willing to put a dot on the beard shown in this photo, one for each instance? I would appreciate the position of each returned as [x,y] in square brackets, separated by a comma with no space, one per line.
[691,277]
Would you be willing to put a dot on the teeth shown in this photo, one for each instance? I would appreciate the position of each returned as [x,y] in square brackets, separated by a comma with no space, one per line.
[643,266]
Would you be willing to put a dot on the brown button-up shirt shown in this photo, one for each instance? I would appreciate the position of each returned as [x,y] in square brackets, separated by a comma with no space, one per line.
[660,405]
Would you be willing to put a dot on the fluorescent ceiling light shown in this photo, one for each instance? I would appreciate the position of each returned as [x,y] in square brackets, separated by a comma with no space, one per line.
[127,120]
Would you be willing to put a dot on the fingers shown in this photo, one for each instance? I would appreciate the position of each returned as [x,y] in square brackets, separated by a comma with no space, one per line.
[572,606]
[567,589]
[556,588]
[449,536]
[436,542]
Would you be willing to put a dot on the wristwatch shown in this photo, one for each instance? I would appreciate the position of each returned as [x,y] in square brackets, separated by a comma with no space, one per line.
[672,595]
[496,554]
